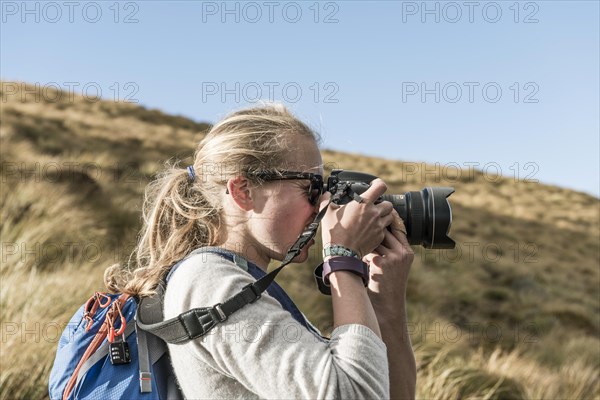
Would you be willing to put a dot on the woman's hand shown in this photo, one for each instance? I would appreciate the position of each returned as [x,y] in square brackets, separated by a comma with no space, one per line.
[389,266]
[358,226]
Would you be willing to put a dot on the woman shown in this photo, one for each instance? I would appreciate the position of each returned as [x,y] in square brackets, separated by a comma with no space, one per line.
[253,188]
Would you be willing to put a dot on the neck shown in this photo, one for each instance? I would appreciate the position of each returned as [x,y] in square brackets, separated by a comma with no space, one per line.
[251,251]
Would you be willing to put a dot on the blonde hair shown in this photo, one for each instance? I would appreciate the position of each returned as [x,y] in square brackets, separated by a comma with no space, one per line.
[180,214]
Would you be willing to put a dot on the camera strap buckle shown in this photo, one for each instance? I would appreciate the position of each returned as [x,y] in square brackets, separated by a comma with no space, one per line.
[344,192]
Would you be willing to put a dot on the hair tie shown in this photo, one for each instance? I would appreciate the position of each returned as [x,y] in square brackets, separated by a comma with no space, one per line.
[191,173]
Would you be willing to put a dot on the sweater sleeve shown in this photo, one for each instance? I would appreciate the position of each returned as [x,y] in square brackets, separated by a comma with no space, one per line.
[263,348]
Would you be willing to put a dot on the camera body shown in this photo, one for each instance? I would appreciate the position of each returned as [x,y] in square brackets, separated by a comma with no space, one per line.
[427,214]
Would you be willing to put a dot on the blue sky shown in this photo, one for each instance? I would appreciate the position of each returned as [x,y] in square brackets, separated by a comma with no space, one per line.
[505,86]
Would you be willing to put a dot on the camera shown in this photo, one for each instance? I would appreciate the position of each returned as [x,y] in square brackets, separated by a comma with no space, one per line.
[427,214]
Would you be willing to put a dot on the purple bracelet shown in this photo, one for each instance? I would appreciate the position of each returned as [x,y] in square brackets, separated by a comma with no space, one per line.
[343,263]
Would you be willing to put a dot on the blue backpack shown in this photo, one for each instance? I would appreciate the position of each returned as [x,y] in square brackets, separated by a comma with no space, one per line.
[83,368]
[115,346]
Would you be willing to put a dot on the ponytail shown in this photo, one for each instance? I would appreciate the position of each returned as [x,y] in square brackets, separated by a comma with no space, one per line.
[178,218]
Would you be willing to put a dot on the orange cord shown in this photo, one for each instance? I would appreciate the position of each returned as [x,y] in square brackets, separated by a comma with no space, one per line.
[111,318]
[91,306]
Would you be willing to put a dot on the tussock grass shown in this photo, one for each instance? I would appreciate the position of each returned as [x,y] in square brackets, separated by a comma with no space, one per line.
[522,288]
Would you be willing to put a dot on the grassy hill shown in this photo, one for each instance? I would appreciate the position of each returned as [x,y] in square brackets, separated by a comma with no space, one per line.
[512,312]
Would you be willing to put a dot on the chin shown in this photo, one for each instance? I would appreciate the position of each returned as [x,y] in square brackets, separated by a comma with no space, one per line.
[280,254]
[304,254]
[300,258]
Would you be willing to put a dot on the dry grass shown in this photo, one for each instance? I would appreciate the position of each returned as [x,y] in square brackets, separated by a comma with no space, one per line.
[522,288]
[457,374]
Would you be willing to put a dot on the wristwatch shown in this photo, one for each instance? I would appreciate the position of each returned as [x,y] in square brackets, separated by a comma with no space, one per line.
[340,263]
[338,250]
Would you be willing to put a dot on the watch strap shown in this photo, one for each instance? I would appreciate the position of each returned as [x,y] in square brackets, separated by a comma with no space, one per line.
[341,263]
[318,274]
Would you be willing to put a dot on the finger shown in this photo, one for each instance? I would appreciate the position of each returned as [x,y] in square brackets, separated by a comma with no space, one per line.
[399,230]
[387,220]
[385,208]
[383,250]
[375,259]
[404,240]
[397,223]
[390,241]
[377,188]
[372,258]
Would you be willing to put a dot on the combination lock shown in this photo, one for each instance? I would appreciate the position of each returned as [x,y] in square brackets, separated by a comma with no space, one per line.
[119,353]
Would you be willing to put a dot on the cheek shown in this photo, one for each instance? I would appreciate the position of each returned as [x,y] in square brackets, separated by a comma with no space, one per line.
[293,213]
[289,208]
[289,212]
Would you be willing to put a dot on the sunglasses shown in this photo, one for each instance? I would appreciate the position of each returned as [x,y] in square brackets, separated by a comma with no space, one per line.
[316,181]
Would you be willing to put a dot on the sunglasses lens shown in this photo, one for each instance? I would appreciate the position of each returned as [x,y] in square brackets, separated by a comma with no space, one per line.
[315,191]
[313,196]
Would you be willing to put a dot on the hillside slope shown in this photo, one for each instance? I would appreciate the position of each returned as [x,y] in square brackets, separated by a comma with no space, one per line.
[513,311]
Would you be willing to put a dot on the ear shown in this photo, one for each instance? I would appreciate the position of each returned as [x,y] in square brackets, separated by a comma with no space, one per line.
[240,191]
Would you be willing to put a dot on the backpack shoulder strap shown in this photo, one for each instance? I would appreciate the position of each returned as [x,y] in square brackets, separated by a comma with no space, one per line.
[193,323]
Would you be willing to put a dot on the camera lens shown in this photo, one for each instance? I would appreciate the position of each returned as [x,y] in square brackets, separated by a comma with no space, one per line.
[427,216]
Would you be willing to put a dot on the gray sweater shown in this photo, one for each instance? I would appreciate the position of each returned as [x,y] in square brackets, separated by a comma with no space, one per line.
[261,351]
